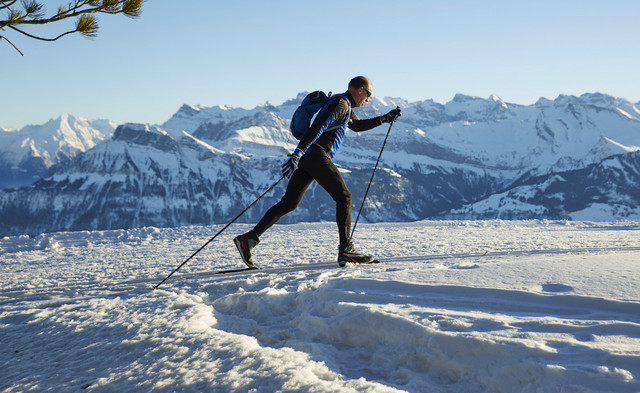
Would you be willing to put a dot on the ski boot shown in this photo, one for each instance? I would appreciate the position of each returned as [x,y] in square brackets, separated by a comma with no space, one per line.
[245,244]
[347,253]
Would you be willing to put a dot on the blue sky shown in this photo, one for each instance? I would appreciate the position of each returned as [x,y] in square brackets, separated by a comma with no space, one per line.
[244,53]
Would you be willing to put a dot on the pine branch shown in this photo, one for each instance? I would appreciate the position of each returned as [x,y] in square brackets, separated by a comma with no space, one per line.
[7,3]
[32,13]
[87,25]
[33,9]
[11,43]
[41,38]
[131,8]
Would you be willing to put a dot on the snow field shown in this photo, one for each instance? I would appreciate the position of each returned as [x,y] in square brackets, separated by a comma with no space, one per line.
[457,306]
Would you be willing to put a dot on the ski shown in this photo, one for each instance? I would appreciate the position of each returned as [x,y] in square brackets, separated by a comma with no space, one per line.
[255,270]
[244,269]
[274,269]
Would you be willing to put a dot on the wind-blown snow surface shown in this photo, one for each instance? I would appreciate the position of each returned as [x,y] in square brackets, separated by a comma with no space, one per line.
[456,306]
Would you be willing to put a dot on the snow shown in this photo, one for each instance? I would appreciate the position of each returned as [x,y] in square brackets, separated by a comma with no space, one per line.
[456,306]
[625,148]
[601,210]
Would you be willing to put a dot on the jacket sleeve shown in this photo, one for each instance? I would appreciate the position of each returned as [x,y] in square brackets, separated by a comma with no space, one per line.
[358,125]
[335,113]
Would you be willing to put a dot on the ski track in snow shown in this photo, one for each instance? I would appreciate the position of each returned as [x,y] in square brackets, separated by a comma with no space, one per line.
[456,306]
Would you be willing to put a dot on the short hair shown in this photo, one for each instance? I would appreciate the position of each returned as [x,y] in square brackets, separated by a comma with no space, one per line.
[360,81]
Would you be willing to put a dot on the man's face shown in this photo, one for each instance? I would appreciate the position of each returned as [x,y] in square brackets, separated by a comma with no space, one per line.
[363,95]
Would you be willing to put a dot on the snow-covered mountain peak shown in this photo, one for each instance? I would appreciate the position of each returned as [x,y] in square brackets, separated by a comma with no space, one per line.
[189,118]
[474,109]
[296,101]
[606,102]
[603,100]
[145,135]
[384,104]
[543,102]
[189,110]
[26,155]
[460,98]
[599,101]
[139,127]
[498,101]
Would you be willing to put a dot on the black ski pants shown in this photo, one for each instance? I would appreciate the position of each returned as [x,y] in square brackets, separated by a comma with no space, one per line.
[315,165]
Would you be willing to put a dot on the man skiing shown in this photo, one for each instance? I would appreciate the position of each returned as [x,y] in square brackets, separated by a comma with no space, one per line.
[311,161]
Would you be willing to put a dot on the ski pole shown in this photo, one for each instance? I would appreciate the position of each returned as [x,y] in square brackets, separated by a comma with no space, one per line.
[219,232]
[370,180]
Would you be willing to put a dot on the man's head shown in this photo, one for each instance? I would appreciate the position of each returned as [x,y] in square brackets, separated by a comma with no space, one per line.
[360,89]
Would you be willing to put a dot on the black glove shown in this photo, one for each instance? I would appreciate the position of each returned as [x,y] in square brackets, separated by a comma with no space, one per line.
[291,164]
[392,115]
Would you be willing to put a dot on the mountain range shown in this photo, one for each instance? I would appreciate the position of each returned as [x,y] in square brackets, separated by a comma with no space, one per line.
[471,158]
[27,155]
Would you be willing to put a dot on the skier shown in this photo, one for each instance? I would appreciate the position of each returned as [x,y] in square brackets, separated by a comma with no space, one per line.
[311,161]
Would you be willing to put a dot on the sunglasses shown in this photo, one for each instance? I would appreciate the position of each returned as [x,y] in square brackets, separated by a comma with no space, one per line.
[367,91]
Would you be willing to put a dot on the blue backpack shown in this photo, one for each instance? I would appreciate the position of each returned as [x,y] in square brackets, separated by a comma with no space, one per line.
[306,112]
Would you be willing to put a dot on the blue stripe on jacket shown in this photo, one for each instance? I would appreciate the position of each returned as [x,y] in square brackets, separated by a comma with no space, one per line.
[340,131]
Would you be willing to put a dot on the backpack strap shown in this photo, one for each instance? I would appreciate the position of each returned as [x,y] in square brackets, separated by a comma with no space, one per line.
[348,112]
